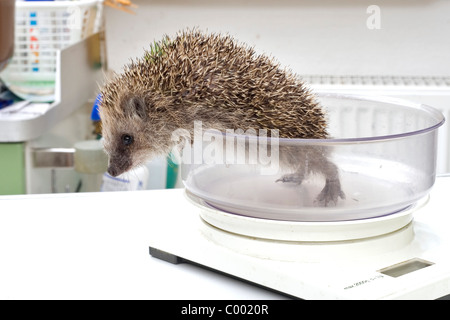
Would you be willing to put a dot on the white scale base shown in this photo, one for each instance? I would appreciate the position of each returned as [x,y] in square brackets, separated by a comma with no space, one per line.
[398,258]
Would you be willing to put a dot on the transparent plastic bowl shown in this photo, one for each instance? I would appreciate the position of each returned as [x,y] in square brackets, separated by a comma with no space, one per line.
[385,150]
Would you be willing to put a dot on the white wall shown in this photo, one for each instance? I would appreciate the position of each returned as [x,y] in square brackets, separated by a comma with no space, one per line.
[312,37]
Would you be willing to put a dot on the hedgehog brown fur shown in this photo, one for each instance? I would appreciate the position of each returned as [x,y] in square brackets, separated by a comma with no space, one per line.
[226,85]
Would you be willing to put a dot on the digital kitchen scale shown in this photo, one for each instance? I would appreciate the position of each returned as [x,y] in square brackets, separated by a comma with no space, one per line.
[403,255]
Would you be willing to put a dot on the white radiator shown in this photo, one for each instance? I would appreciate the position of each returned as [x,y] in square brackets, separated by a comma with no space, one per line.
[432,91]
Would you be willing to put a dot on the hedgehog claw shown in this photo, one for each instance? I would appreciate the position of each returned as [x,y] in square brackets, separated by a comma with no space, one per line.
[292,177]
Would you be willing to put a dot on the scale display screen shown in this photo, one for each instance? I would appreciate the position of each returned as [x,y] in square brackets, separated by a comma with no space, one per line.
[405,267]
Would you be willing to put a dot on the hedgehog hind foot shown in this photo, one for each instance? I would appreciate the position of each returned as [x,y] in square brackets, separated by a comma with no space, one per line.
[330,193]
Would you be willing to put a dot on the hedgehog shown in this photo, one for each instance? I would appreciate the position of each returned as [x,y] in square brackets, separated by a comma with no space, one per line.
[212,78]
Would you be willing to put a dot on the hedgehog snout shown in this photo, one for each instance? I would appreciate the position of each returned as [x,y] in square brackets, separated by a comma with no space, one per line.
[117,166]
[113,171]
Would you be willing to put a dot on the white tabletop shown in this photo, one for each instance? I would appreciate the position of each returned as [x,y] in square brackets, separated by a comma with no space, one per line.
[95,246]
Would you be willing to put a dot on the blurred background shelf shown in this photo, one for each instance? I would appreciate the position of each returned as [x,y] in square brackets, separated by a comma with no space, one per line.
[79,71]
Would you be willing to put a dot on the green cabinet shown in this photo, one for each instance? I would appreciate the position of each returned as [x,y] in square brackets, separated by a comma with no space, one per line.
[12,168]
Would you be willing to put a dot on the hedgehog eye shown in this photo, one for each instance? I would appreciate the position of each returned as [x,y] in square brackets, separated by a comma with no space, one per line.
[127,139]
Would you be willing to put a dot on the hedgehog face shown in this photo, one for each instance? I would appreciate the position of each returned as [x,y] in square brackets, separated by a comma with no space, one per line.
[120,153]
[123,139]
[133,132]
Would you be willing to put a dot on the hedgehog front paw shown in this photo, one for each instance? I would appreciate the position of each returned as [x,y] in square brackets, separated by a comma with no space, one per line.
[330,193]
[292,177]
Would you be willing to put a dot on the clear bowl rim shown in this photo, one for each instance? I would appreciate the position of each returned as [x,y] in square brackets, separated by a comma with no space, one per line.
[431,111]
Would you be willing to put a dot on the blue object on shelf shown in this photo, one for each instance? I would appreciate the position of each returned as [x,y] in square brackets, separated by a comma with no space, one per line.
[5,102]
[95,115]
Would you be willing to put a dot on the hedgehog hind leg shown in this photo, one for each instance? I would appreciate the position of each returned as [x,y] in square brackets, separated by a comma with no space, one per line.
[330,193]
[332,190]
[312,159]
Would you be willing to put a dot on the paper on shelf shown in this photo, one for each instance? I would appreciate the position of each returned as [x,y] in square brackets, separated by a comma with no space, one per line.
[23,110]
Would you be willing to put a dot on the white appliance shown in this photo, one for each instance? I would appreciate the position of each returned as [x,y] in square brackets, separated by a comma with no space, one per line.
[405,255]
[374,243]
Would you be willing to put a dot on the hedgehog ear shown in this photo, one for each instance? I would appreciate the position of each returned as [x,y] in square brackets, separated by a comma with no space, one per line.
[138,107]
